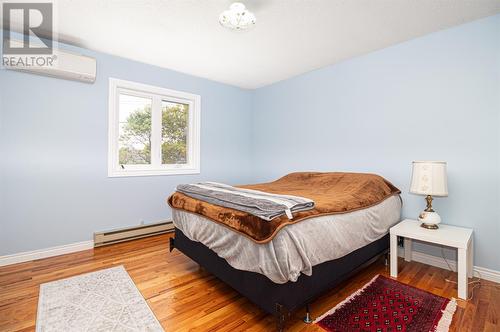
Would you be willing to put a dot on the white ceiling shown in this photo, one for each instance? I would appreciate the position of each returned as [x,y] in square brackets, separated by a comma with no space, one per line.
[291,36]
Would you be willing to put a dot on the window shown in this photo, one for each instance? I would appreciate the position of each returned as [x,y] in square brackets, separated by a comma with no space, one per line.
[152,130]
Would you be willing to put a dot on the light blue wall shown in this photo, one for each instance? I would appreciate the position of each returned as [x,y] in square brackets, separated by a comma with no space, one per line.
[435,97]
[54,187]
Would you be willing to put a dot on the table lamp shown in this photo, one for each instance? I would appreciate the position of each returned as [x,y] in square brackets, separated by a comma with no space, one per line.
[429,179]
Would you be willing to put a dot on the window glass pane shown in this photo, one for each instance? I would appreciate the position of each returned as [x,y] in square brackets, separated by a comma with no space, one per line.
[174,133]
[135,130]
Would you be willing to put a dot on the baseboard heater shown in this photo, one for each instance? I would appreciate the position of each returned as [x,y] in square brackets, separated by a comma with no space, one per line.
[131,233]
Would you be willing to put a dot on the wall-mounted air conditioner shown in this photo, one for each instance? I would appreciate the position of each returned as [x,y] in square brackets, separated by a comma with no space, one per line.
[67,65]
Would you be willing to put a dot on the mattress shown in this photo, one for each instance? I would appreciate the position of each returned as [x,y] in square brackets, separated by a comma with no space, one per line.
[332,193]
[298,247]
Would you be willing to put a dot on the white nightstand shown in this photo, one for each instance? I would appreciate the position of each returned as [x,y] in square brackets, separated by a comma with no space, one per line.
[451,236]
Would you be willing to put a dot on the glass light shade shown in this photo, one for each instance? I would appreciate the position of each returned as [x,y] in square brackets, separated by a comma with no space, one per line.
[237,17]
[429,178]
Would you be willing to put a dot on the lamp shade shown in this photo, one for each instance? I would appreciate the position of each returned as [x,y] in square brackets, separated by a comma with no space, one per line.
[429,178]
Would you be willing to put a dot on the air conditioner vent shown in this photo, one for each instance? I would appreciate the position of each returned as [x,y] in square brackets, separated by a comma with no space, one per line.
[69,66]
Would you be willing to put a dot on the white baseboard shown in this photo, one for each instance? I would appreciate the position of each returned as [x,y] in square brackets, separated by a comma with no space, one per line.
[481,272]
[45,253]
[487,274]
[437,261]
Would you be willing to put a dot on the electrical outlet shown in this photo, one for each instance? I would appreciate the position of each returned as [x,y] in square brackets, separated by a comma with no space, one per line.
[401,242]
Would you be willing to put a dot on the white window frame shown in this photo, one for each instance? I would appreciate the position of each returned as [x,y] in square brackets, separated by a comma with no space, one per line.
[156,94]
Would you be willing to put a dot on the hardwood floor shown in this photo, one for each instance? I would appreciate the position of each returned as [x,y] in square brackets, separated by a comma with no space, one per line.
[185,298]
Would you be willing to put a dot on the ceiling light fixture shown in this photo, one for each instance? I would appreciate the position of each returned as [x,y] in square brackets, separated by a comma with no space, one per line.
[237,17]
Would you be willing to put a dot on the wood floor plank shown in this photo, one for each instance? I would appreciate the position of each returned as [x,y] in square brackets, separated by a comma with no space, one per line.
[187,298]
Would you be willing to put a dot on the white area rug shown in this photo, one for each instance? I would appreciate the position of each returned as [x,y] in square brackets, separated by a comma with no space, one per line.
[105,300]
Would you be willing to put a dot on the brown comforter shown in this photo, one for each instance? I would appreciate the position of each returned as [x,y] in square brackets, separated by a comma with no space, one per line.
[332,193]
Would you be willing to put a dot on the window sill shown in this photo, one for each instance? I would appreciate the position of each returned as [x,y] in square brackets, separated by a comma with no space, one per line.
[151,172]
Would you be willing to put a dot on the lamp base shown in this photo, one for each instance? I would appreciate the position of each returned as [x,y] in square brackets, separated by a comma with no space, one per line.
[429,220]
[429,226]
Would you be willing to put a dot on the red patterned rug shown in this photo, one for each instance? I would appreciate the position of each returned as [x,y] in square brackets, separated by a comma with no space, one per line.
[384,304]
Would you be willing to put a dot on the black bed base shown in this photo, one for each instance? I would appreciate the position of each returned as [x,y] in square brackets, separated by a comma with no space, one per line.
[281,299]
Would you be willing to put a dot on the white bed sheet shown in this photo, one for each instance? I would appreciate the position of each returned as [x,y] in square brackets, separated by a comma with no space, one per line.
[298,247]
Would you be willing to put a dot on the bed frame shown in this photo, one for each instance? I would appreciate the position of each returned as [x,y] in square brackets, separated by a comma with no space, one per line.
[281,299]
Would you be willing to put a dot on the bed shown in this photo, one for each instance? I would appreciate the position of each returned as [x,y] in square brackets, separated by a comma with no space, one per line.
[294,265]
